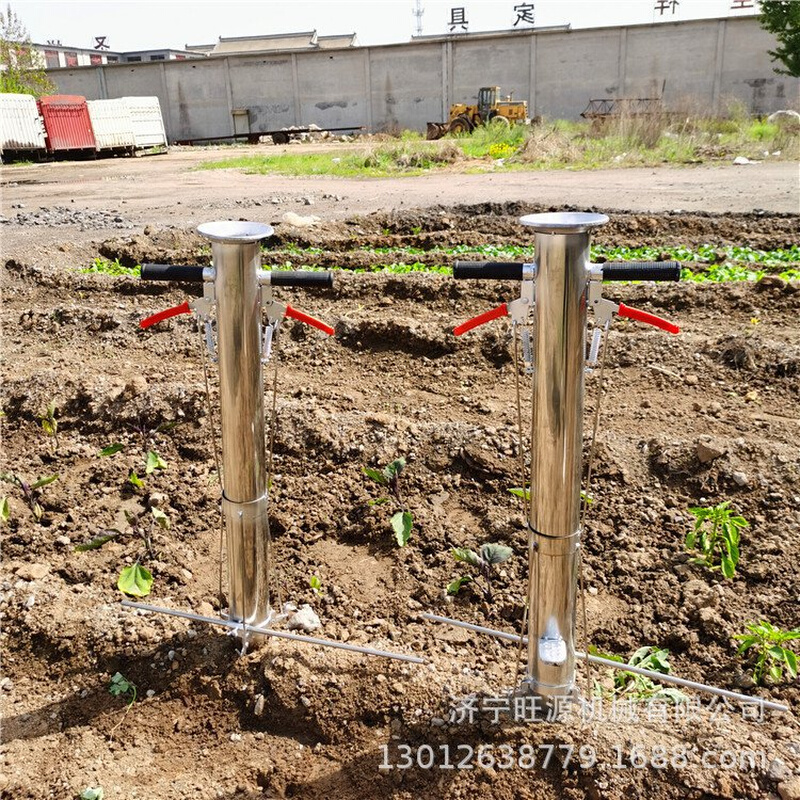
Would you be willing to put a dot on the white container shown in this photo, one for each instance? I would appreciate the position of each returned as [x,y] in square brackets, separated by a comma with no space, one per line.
[112,124]
[148,125]
[21,126]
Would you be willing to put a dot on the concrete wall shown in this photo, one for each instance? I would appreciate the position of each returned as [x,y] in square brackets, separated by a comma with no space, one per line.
[403,86]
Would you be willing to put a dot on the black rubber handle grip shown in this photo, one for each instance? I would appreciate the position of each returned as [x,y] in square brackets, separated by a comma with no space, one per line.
[172,272]
[489,270]
[302,278]
[641,271]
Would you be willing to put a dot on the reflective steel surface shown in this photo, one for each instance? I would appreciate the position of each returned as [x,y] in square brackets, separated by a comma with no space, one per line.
[236,256]
[562,258]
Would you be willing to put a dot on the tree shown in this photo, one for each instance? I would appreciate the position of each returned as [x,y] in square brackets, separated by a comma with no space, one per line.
[21,67]
[782,18]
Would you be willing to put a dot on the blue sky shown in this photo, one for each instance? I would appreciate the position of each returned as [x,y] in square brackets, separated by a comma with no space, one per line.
[145,25]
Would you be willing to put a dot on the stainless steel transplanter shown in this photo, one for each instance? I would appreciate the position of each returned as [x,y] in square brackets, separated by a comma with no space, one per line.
[559,288]
[242,293]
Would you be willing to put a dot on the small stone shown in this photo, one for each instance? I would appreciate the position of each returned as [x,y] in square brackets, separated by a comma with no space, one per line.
[437,722]
[790,790]
[236,737]
[740,479]
[64,541]
[778,771]
[305,700]
[205,609]
[304,619]
[29,603]
[6,685]
[707,450]
[258,706]
[692,380]
[157,500]
[151,692]
[32,572]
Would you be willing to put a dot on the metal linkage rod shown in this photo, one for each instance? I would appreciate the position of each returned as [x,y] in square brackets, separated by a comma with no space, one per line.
[605,662]
[254,629]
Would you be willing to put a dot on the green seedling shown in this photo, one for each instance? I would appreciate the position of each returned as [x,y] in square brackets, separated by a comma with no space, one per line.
[49,422]
[639,687]
[134,580]
[770,656]
[92,793]
[120,686]
[716,536]
[154,462]
[31,492]
[5,511]
[111,449]
[135,480]
[316,585]
[484,561]
[402,522]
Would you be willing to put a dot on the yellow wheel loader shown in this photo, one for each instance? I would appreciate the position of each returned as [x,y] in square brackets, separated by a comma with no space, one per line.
[488,111]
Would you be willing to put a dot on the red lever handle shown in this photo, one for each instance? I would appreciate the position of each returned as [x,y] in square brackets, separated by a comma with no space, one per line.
[183,308]
[650,319]
[300,316]
[481,319]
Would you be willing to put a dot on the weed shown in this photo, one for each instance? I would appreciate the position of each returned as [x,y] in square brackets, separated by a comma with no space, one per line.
[638,687]
[715,536]
[484,561]
[49,422]
[402,522]
[770,657]
[31,492]
[5,511]
[111,449]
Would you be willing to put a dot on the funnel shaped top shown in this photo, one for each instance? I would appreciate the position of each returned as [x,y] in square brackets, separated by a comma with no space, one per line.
[234,232]
[564,221]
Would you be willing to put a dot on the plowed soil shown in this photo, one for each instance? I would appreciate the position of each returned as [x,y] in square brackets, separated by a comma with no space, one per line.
[705,416]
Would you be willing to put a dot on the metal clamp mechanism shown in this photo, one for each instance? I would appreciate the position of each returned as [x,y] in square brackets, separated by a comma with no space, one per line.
[519,310]
[276,311]
[605,309]
[203,307]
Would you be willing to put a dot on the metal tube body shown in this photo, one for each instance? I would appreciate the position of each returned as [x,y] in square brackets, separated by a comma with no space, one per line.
[236,257]
[562,260]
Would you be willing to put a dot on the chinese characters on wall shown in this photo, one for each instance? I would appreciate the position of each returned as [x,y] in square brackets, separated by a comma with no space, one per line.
[663,7]
[523,13]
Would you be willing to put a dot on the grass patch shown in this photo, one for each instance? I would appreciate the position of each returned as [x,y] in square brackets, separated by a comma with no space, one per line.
[661,138]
